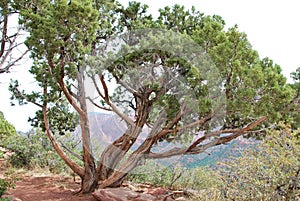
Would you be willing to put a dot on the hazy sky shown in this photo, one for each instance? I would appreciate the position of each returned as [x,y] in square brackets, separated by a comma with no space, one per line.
[272,27]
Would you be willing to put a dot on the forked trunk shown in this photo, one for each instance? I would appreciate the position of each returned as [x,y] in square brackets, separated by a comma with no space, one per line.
[135,159]
[116,179]
[89,182]
[115,152]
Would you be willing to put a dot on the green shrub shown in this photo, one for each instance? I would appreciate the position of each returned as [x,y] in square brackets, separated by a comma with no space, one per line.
[271,172]
[3,186]
[33,151]
[152,173]
[1,154]
[199,178]
[175,176]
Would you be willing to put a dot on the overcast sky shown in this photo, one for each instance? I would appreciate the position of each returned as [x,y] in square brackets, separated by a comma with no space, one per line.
[272,27]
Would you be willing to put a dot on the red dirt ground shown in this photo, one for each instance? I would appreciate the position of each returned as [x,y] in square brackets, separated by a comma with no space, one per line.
[47,189]
[38,187]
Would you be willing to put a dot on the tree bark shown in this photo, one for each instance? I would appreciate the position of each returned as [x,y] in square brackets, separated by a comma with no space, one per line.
[90,178]
[115,152]
[74,166]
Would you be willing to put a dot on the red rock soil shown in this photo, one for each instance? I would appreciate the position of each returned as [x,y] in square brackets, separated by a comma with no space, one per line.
[47,187]
[38,187]
[54,188]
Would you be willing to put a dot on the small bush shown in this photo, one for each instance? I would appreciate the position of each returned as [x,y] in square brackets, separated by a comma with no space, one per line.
[175,176]
[33,151]
[271,172]
[3,186]
[152,173]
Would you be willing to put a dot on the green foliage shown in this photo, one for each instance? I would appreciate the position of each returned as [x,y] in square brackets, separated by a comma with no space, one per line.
[6,128]
[60,24]
[253,87]
[151,172]
[61,119]
[33,151]
[8,182]
[3,186]
[295,115]
[270,172]
[1,154]
[62,34]
[175,176]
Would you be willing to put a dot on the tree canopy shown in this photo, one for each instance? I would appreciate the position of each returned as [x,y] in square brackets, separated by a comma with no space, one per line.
[178,75]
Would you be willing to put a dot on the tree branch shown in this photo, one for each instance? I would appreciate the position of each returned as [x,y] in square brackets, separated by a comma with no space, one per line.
[4,35]
[65,90]
[74,166]
[106,99]
[106,96]
[71,152]
[195,148]
[20,94]
[97,87]
[131,90]
[98,106]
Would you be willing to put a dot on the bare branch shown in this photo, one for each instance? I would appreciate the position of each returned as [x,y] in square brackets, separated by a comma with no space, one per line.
[4,34]
[120,114]
[106,96]
[98,106]
[97,87]
[106,99]
[198,122]
[130,89]
[70,151]
[6,68]
[195,148]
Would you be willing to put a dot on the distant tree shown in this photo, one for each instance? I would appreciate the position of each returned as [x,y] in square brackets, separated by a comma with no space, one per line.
[6,128]
[12,48]
[164,80]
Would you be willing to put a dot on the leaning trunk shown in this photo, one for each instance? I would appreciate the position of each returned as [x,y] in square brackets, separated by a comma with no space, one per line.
[116,179]
[135,159]
[116,151]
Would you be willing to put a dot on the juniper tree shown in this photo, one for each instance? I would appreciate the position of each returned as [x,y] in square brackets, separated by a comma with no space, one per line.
[179,74]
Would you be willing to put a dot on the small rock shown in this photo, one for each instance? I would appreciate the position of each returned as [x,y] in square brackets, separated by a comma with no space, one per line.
[145,197]
[16,199]
[157,191]
[168,199]
[115,194]
[181,199]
